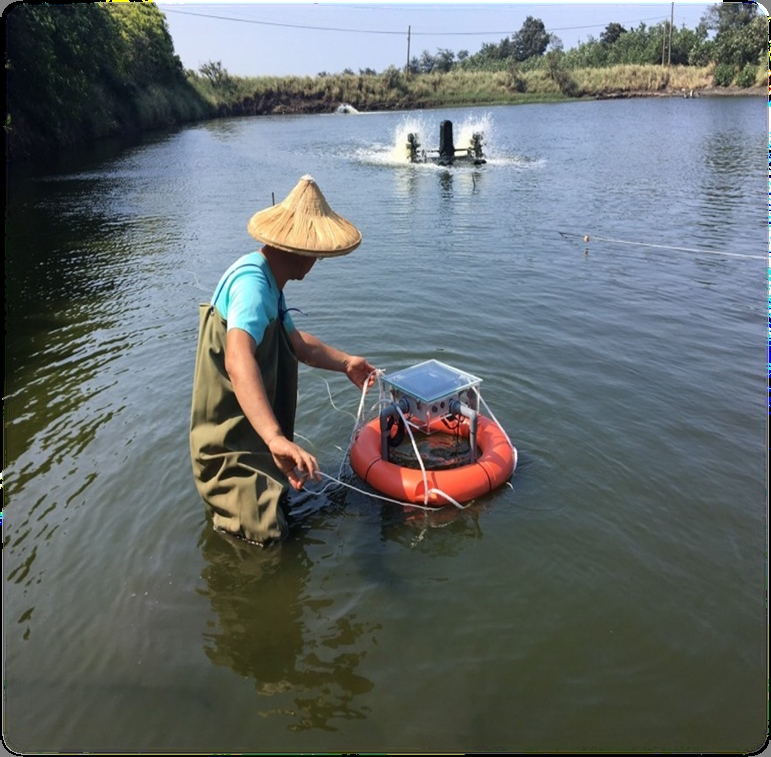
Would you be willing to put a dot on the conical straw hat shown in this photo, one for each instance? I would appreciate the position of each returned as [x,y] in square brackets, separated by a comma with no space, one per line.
[305,224]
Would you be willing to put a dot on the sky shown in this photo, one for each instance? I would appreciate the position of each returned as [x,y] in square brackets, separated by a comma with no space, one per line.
[305,39]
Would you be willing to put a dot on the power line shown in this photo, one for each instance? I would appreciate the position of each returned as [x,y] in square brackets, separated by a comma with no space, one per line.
[382,31]
[276,23]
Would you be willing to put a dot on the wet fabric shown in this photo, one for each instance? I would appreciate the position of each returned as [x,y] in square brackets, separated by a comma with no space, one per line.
[233,469]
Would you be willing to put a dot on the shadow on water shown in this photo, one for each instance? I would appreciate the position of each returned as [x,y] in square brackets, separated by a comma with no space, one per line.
[266,633]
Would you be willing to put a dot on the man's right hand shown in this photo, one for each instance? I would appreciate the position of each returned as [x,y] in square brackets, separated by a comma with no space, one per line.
[293,461]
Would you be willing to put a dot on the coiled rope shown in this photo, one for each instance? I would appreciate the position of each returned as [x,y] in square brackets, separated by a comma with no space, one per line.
[591,238]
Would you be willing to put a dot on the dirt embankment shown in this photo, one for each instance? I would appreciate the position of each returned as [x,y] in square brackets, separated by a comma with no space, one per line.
[282,103]
[711,91]
[275,103]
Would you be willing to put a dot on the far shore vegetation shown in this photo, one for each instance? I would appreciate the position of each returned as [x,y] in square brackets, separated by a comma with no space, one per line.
[79,72]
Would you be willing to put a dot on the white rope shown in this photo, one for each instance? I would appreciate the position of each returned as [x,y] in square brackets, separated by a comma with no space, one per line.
[381,497]
[306,440]
[494,419]
[332,401]
[427,491]
[417,453]
[587,238]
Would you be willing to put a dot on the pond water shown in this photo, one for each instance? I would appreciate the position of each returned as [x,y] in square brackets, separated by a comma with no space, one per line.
[611,597]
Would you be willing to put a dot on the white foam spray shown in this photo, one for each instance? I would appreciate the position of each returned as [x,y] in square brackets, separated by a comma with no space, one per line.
[425,127]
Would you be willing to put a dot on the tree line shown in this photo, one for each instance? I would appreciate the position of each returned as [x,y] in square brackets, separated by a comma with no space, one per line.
[732,36]
[79,71]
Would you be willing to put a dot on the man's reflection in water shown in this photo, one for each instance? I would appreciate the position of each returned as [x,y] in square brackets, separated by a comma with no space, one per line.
[261,599]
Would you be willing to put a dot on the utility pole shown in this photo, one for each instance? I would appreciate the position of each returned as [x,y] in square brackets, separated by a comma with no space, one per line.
[671,26]
[663,44]
[407,69]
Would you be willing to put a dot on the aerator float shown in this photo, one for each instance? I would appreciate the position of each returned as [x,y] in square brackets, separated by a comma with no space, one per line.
[447,154]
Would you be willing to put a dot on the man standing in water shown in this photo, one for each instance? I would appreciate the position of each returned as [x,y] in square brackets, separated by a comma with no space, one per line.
[245,384]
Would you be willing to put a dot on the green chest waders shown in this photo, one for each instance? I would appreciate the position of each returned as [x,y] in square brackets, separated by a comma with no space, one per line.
[233,469]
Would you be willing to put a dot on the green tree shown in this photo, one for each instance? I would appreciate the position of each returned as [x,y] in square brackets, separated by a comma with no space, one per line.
[531,40]
[612,32]
[427,62]
[54,57]
[589,54]
[702,51]
[741,33]
[638,46]
[77,71]
[556,66]
[214,72]
[727,17]
[149,49]
[445,60]
[684,42]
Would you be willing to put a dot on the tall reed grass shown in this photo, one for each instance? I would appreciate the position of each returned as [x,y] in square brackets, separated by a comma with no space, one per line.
[393,89]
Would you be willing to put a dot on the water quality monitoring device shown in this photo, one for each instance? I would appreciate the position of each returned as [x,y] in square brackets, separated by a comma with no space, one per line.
[425,393]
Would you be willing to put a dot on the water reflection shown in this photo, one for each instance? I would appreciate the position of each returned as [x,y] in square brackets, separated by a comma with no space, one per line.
[223,128]
[445,182]
[406,183]
[300,656]
[730,174]
[468,182]
[443,532]
[730,155]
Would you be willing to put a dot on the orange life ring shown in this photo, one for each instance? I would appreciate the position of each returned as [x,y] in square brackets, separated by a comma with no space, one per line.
[495,463]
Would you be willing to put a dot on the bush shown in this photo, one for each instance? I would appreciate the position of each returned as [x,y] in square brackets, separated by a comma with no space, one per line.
[517,82]
[724,75]
[392,78]
[747,76]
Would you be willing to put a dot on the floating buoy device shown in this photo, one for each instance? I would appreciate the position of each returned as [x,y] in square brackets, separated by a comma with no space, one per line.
[432,397]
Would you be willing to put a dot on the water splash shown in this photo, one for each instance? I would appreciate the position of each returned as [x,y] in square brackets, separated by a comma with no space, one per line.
[425,127]
[464,134]
[411,124]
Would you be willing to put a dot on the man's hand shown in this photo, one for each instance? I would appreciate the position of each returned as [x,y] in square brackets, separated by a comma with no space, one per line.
[293,461]
[359,371]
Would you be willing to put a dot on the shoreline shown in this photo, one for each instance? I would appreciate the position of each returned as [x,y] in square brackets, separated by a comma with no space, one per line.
[696,92]
[282,104]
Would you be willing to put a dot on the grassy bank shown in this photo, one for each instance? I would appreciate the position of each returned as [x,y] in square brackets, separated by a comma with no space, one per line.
[393,90]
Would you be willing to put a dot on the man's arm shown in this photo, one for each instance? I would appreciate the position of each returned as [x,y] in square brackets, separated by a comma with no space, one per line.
[246,377]
[312,351]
